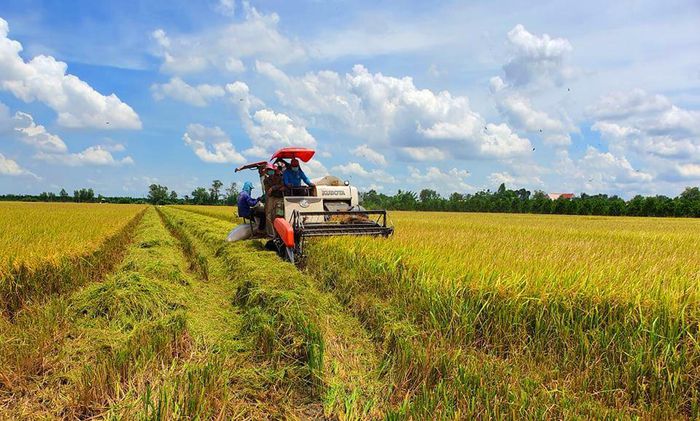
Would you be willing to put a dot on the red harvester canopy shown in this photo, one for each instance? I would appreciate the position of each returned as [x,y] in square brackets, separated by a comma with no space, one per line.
[304,154]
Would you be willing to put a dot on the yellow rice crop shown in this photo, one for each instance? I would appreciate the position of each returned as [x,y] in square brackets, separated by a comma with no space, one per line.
[226,213]
[640,260]
[38,233]
[611,304]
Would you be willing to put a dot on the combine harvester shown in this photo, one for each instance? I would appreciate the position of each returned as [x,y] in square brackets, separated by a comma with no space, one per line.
[329,208]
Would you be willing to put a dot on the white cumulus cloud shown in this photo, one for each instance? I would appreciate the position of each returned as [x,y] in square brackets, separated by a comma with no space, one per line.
[51,148]
[423,153]
[179,90]
[226,7]
[369,154]
[6,123]
[598,171]
[211,145]
[267,129]
[97,155]
[519,111]
[648,125]
[36,135]
[444,182]
[394,112]
[12,168]
[224,48]
[356,169]
[536,59]
[621,105]
[689,171]
[45,79]
[514,180]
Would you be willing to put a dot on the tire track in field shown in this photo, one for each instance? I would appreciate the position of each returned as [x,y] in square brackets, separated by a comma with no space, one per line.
[248,384]
[296,323]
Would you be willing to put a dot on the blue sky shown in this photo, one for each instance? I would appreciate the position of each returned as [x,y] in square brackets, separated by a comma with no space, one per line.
[455,96]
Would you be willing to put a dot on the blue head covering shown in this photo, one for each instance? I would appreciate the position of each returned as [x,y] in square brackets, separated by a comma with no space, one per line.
[247,187]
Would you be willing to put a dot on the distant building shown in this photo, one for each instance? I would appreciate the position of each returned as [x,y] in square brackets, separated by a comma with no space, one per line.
[555,196]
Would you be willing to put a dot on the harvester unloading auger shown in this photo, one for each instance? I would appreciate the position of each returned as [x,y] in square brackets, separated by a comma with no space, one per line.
[293,214]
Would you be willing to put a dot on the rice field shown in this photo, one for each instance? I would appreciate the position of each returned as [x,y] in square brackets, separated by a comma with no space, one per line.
[36,233]
[225,213]
[643,261]
[608,307]
[457,316]
[50,247]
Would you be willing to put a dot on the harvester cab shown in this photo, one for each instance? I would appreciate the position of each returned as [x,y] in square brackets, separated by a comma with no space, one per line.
[293,214]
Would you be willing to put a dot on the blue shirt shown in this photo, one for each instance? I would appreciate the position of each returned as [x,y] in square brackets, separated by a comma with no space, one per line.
[294,178]
[245,202]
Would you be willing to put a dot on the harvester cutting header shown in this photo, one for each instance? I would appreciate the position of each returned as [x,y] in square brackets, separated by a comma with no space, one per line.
[288,212]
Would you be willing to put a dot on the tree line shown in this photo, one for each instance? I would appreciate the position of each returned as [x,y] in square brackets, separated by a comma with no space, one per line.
[686,204]
[78,196]
[216,194]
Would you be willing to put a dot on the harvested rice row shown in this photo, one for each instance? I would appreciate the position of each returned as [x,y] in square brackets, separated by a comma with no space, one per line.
[242,369]
[294,322]
[79,354]
[152,341]
[628,362]
[217,376]
[56,254]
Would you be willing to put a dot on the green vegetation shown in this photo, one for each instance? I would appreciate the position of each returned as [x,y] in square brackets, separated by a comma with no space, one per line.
[153,340]
[522,201]
[328,353]
[503,200]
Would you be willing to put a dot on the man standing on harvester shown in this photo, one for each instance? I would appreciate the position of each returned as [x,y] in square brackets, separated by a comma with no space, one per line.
[294,175]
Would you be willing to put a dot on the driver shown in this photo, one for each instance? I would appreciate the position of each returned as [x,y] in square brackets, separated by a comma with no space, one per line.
[293,176]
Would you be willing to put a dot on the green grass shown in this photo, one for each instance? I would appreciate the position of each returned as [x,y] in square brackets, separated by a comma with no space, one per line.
[78,353]
[418,371]
[152,340]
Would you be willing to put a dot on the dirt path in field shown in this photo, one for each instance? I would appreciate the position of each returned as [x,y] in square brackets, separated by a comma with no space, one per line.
[218,325]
